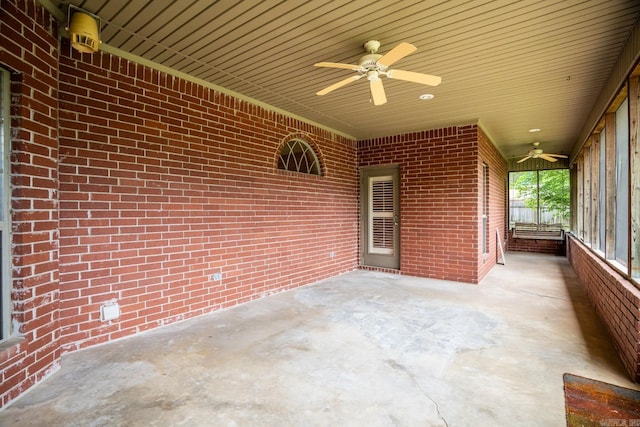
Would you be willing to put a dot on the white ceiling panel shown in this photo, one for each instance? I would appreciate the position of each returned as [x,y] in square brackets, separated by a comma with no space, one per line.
[511,64]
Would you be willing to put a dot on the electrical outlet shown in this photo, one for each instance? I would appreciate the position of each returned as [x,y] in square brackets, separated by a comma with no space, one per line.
[109,311]
[216,276]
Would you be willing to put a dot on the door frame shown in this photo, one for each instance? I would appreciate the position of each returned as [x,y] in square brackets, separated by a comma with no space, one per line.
[367,258]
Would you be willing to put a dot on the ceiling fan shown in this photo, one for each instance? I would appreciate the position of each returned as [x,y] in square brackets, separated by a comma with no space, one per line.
[537,153]
[374,65]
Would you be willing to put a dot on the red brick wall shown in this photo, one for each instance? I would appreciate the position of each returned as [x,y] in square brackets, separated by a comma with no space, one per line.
[164,182]
[616,301]
[552,247]
[497,165]
[440,175]
[28,36]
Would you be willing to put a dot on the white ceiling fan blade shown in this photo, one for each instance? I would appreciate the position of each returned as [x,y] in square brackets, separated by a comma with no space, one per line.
[337,65]
[397,53]
[338,85]
[524,158]
[548,158]
[560,156]
[410,76]
[377,92]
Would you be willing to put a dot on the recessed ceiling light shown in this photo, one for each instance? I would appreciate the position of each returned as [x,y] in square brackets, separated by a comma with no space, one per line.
[534,130]
[426,96]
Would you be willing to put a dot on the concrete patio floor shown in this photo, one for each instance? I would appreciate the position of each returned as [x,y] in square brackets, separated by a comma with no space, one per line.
[362,349]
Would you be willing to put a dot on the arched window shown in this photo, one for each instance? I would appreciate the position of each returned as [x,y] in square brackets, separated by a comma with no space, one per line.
[298,156]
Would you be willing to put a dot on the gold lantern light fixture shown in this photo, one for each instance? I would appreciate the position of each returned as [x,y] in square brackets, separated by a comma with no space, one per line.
[84,29]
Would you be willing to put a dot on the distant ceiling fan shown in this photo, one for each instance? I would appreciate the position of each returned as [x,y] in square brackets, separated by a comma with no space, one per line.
[374,65]
[537,153]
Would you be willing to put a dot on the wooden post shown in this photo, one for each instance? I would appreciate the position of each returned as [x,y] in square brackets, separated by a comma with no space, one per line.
[586,175]
[634,150]
[580,197]
[595,191]
[610,185]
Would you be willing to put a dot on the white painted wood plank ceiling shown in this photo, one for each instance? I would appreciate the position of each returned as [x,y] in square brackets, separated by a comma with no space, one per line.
[513,65]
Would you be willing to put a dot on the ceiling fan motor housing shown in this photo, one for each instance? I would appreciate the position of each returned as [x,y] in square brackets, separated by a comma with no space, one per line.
[369,60]
[369,66]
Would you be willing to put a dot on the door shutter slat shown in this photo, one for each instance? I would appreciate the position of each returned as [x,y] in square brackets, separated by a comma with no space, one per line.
[381,238]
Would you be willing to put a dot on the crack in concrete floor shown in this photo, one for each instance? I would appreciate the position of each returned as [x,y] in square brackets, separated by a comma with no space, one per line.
[363,348]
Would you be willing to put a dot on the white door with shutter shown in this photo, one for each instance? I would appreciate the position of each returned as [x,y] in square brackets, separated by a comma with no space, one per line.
[380,216]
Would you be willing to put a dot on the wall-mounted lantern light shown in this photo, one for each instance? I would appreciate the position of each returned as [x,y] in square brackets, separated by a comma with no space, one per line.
[84,29]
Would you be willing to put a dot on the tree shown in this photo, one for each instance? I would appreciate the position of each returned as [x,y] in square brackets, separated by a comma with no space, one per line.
[549,188]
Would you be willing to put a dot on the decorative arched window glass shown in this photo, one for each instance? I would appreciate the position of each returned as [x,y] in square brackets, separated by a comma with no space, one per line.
[298,156]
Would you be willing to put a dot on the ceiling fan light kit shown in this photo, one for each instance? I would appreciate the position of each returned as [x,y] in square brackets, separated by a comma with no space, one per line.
[374,65]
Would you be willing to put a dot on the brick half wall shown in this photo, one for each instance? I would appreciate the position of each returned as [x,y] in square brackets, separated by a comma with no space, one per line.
[616,300]
[541,246]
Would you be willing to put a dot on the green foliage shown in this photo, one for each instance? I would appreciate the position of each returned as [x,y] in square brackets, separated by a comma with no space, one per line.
[552,191]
